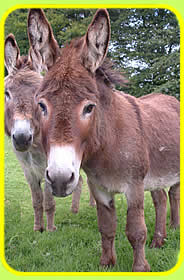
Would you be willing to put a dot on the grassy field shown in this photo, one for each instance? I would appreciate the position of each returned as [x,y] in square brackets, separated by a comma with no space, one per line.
[76,245]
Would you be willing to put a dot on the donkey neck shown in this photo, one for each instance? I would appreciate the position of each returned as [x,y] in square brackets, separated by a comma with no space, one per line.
[119,138]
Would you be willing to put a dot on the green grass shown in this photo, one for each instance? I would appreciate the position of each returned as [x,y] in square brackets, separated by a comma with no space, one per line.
[76,245]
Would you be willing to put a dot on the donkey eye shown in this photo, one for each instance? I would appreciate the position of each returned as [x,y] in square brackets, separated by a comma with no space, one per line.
[43,108]
[7,95]
[88,109]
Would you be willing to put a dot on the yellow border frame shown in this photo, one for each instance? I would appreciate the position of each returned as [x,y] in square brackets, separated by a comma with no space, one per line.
[87,6]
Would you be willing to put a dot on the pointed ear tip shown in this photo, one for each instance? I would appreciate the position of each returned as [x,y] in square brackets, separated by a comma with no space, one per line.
[103,12]
[35,11]
[10,38]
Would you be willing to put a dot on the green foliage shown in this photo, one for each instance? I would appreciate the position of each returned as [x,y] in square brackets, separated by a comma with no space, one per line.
[16,23]
[144,43]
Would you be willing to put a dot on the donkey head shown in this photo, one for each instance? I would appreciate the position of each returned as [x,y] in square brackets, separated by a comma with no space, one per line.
[20,85]
[23,80]
[69,99]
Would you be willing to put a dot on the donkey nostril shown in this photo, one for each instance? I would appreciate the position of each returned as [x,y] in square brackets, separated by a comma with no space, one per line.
[72,178]
[22,139]
[14,137]
[48,177]
[30,138]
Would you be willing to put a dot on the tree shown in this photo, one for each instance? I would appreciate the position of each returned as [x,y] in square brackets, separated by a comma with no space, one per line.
[144,43]
[16,23]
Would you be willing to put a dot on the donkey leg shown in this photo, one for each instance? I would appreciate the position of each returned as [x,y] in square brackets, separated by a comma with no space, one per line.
[49,206]
[92,201]
[37,198]
[160,202]
[106,214]
[135,228]
[76,196]
[174,198]
[107,228]
[37,201]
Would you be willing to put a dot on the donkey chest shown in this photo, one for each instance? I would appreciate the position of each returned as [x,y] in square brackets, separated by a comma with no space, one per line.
[34,161]
[110,181]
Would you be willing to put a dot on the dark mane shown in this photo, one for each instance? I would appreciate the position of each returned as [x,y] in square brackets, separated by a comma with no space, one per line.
[112,76]
[106,71]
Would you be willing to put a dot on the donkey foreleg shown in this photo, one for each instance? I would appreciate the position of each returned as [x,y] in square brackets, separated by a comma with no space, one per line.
[76,196]
[92,201]
[106,223]
[135,228]
[37,199]
[174,198]
[49,207]
[107,228]
[160,202]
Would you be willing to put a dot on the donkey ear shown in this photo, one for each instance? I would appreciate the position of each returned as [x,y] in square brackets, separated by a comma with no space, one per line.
[12,53]
[35,60]
[41,37]
[96,40]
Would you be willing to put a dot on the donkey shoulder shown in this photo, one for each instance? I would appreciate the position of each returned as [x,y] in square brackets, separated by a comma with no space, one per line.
[161,101]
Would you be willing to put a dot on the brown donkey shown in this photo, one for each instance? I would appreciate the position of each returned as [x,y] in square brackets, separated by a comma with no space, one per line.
[124,144]
[22,126]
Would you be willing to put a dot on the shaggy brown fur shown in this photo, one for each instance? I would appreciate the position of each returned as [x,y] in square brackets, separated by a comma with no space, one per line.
[20,85]
[124,144]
